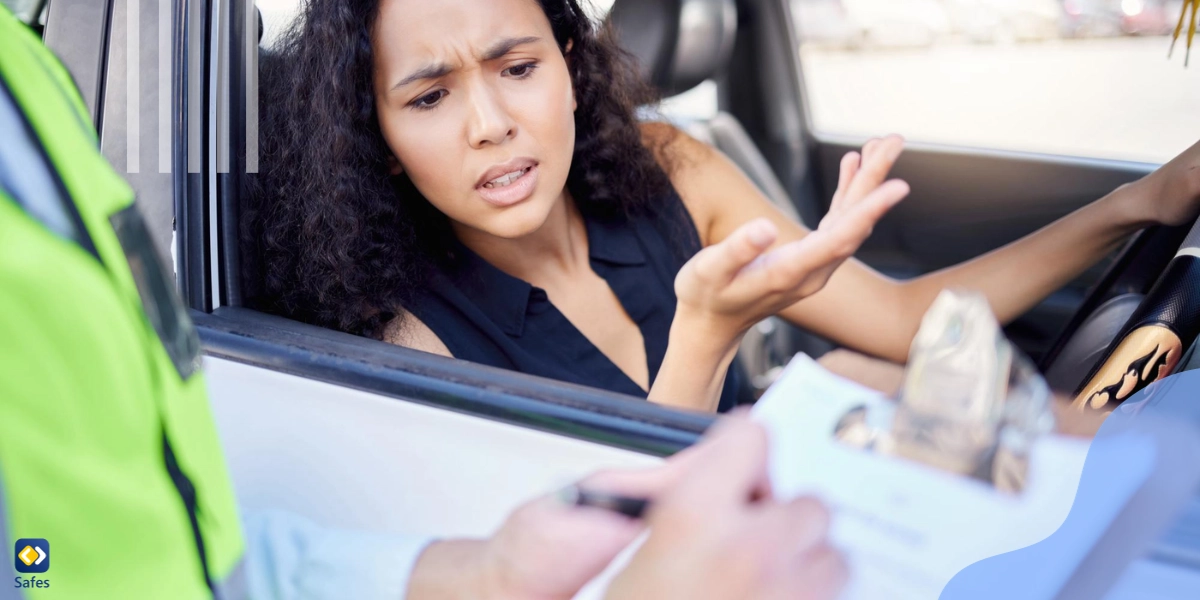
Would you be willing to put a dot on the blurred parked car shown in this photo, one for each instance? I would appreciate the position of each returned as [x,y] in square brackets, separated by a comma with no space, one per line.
[870,23]
[899,23]
[915,23]
[826,22]
[1101,18]
[1149,17]
[1005,20]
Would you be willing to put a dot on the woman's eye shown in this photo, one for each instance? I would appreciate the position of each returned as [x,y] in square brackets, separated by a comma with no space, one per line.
[429,100]
[521,71]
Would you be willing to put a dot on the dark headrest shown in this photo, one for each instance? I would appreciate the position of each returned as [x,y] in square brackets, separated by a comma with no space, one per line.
[680,43]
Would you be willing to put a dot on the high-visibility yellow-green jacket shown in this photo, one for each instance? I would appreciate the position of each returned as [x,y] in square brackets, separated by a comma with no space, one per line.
[108,450]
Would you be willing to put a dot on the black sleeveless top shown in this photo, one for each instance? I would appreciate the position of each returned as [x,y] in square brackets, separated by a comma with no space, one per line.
[486,316]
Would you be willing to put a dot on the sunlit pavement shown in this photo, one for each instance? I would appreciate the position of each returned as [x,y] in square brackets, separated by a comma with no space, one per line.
[1106,98]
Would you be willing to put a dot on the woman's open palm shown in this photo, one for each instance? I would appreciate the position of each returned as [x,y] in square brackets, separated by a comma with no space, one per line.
[737,283]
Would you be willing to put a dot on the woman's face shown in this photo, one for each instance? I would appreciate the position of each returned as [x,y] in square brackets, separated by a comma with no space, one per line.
[476,103]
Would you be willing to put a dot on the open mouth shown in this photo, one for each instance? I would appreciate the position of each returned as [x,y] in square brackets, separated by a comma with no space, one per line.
[507,179]
[510,188]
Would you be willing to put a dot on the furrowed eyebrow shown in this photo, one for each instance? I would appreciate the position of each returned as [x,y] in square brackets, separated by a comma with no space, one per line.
[427,72]
[435,71]
[506,45]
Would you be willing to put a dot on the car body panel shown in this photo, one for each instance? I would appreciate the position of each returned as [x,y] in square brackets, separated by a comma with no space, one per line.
[350,458]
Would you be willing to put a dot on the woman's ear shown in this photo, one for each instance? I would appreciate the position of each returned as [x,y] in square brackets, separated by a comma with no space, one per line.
[394,167]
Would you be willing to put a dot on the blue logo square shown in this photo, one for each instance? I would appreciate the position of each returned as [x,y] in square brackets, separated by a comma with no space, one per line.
[31,555]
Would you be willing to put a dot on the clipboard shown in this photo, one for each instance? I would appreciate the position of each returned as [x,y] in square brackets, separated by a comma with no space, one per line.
[913,531]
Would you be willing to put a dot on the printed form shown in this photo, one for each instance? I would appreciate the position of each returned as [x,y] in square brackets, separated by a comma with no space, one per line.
[907,528]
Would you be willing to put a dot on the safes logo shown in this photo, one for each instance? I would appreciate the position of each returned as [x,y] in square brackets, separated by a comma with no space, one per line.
[33,555]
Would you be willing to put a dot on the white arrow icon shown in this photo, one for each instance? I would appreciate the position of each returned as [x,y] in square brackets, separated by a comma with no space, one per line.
[26,555]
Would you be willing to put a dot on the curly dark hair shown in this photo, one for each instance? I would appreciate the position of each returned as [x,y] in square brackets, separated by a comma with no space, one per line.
[331,238]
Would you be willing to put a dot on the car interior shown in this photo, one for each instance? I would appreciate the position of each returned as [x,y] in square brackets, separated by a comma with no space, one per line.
[679,45]
[965,201]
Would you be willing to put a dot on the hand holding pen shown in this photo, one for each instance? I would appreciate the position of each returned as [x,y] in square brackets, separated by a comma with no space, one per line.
[716,532]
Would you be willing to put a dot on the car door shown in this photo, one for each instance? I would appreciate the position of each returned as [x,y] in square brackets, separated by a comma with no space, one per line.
[344,430]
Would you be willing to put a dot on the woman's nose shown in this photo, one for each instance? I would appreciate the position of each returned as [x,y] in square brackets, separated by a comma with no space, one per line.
[490,122]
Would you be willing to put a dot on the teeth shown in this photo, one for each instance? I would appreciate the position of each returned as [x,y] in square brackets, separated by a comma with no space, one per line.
[506,179]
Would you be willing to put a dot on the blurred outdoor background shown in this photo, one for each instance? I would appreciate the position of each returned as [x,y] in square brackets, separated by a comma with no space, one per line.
[1075,77]
[1085,78]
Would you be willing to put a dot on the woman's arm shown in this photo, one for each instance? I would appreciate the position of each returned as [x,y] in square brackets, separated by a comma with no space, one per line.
[750,273]
[1018,276]
[693,369]
[862,309]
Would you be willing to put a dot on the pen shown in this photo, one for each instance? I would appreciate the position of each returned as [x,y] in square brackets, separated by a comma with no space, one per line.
[633,508]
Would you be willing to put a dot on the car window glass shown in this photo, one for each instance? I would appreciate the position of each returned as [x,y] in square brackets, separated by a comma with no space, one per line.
[1072,77]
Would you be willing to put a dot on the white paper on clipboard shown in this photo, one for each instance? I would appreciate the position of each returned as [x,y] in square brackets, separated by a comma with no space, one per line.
[906,528]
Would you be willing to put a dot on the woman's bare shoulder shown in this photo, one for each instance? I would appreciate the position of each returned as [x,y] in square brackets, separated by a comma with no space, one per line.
[700,173]
[673,148]
[411,332]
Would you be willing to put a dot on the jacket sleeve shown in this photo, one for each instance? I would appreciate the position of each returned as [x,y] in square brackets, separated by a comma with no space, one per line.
[288,556]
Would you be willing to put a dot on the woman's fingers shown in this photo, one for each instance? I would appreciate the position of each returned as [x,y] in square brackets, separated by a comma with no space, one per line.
[845,234]
[720,263]
[791,265]
[869,148]
[740,272]
[875,167]
[861,173]
[879,201]
[846,174]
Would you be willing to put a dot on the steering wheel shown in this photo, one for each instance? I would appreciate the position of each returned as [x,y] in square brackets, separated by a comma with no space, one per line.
[1135,323]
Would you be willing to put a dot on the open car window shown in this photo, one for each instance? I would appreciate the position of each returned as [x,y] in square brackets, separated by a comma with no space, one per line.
[700,102]
[222,121]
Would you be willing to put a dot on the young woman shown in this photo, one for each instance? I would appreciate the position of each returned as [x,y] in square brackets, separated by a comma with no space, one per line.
[466,177]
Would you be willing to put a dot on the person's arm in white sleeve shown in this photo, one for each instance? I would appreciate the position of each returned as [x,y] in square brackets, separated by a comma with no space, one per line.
[290,557]
[543,549]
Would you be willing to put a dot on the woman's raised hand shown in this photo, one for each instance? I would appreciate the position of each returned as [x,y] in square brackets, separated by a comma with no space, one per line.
[731,285]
